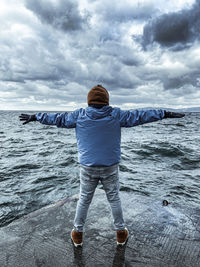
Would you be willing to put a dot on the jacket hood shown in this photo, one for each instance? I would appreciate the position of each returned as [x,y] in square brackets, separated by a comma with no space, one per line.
[98,113]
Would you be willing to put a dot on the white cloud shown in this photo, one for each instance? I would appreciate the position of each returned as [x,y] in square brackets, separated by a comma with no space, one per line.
[53,52]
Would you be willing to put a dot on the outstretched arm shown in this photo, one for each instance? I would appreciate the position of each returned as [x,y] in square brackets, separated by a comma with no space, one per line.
[132,118]
[65,120]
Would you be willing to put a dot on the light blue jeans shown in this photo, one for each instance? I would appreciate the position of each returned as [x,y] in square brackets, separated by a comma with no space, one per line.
[89,179]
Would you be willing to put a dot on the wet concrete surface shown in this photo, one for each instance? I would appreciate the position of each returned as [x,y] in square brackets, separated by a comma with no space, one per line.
[159,236]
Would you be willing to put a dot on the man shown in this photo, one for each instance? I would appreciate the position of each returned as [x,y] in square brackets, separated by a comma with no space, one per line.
[98,133]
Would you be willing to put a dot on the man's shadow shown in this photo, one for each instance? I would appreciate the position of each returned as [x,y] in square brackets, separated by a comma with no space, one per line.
[119,257]
[78,257]
[118,260]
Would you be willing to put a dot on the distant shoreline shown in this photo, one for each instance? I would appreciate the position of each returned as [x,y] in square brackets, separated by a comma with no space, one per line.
[192,109]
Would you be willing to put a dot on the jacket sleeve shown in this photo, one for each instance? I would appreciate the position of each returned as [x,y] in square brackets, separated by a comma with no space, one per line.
[132,118]
[63,120]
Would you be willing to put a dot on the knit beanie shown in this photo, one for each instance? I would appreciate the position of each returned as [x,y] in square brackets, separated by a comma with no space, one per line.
[98,95]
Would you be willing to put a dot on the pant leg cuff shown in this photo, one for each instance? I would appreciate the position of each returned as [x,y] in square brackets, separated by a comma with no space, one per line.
[78,229]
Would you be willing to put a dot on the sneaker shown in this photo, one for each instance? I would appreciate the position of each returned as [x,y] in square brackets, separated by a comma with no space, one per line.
[77,238]
[122,237]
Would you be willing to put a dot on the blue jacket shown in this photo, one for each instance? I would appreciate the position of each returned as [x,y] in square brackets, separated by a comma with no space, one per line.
[98,131]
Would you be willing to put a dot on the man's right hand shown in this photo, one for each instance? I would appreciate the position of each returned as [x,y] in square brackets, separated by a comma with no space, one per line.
[27,118]
[169,114]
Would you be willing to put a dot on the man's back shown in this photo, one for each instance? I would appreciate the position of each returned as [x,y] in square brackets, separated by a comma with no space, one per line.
[98,136]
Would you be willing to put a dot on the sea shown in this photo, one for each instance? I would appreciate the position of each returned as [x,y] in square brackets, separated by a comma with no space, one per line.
[38,163]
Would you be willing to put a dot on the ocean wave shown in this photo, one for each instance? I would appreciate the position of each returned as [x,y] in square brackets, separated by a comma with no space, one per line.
[68,162]
[124,168]
[38,164]
[128,189]
[180,125]
[163,150]
[27,166]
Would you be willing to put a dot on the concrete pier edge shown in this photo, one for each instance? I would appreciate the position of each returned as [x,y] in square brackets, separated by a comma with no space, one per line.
[159,235]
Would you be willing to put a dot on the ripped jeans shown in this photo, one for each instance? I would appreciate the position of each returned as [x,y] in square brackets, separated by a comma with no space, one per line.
[89,179]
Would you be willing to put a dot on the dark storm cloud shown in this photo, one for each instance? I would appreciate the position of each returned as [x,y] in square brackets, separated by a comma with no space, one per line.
[113,65]
[174,28]
[178,82]
[63,15]
[121,53]
[123,11]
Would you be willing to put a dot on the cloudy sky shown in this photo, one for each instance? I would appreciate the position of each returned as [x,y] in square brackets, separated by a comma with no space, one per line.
[145,52]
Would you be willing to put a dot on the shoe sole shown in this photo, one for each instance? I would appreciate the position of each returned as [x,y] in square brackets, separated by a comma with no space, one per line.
[75,244]
[122,244]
